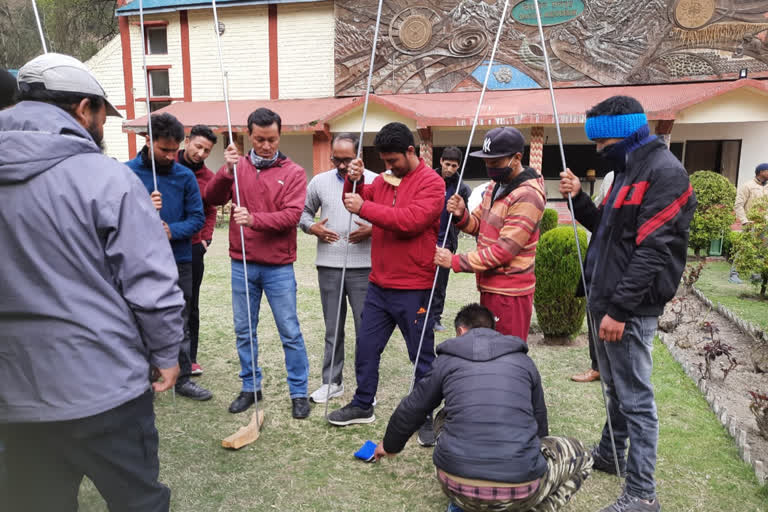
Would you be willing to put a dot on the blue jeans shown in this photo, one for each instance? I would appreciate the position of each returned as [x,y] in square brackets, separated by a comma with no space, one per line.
[625,369]
[279,284]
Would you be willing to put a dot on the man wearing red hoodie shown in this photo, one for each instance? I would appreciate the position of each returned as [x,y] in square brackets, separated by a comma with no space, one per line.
[197,147]
[404,207]
[272,193]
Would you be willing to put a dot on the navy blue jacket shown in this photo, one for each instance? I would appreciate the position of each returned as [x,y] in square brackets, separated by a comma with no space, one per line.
[182,206]
[450,188]
[494,407]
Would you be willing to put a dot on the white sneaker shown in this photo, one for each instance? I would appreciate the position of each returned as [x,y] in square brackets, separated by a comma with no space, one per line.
[322,395]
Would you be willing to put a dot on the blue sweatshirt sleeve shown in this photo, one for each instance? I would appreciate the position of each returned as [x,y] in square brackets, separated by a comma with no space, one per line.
[194,217]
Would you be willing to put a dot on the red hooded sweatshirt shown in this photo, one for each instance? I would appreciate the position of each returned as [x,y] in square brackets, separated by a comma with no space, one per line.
[274,197]
[406,220]
[203,176]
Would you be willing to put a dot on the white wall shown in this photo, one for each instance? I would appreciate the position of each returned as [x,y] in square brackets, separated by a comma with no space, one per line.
[173,58]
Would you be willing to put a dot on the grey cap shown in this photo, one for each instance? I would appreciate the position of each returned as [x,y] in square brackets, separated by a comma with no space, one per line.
[62,73]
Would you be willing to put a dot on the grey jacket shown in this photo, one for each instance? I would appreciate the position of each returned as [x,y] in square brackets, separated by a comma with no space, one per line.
[88,285]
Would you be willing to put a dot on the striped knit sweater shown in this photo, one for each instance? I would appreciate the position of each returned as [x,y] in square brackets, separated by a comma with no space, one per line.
[507,231]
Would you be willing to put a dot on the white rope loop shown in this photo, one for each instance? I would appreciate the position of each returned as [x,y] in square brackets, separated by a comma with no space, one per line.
[458,186]
[354,190]
[225,86]
[592,332]
[146,84]
[39,26]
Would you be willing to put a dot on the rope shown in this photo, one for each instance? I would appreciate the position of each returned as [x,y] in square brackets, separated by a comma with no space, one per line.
[354,188]
[458,186]
[225,86]
[592,332]
[146,84]
[39,26]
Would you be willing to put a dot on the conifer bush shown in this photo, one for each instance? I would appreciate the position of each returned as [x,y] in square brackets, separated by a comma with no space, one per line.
[560,313]
[548,221]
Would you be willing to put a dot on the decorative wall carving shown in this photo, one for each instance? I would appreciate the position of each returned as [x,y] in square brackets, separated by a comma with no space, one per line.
[444,45]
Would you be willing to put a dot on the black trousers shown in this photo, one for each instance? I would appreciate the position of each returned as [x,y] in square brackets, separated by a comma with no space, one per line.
[185,283]
[438,301]
[116,449]
[198,269]
[592,353]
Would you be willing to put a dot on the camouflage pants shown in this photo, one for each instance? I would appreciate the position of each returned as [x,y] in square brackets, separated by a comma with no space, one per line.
[568,465]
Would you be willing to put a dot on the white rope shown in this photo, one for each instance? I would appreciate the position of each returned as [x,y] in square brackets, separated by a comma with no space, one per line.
[146,84]
[458,186]
[354,189]
[39,26]
[592,332]
[225,86]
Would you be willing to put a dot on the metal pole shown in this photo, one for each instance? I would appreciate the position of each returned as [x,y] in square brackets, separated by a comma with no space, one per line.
[146,85]
[39,26]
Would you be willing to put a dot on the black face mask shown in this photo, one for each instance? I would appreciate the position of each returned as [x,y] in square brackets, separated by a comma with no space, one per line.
[499,174]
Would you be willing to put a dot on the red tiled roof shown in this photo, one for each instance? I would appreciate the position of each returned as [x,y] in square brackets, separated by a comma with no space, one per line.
[528,106]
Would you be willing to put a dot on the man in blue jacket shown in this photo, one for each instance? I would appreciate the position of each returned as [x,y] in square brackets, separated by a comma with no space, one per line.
[493,451]
[181,213]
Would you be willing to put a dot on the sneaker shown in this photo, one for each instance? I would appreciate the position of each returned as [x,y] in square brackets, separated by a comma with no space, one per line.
[627,503]
[426,435]
[192,390]
[350,414]
[300,408]
[439,327]
[606,464]
[196,369]
[735,280]
[322,395]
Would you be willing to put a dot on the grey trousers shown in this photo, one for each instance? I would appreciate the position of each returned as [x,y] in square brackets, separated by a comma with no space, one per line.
[355,289]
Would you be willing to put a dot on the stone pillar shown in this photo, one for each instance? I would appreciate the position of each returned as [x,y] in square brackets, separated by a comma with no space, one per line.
[664,130]
[321,150]
[425,147]
[537,147]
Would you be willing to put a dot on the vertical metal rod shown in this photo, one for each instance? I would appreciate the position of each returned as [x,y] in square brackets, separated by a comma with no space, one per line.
[592,332]
[225,86]
[39,26]
[349,222]
[143,38]
[458,186]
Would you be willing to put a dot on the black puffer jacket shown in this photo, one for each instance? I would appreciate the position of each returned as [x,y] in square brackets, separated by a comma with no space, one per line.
[494,404]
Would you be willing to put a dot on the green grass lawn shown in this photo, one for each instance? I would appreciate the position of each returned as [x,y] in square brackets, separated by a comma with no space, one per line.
[743,299]
[308,465]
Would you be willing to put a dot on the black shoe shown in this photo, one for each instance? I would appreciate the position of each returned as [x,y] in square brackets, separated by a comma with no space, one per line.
[194,391]
[300,407]
[426,435]
[350,414]
[244,400]
[607,464]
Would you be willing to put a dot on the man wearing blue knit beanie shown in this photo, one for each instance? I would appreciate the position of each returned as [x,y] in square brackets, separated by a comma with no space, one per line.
[633,266]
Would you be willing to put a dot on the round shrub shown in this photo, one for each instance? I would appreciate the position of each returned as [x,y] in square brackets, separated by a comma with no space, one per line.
[560,313]
[730,240]
[714,214]
[548,221]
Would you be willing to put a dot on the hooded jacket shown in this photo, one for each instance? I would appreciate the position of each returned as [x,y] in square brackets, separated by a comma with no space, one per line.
[494,407]
[506,225]
[88,298]
[203,175]
[452,243]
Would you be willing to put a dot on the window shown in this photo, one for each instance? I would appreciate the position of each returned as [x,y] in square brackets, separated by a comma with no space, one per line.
[157,40]
[159,83]
[157,105]
[721,156]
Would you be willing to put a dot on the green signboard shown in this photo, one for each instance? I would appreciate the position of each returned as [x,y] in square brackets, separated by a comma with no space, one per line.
[552,11]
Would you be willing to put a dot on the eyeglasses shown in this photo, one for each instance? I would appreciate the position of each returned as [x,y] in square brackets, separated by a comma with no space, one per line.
[338,161]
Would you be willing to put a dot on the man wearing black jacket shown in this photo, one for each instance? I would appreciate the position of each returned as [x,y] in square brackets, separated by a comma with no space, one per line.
[633,267]
[450,161]
[492,449]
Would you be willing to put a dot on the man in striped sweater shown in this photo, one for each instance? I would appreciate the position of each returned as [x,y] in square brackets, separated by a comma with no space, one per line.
[506,225]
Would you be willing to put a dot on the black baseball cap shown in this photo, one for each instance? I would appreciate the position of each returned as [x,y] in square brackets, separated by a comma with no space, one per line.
[501,141]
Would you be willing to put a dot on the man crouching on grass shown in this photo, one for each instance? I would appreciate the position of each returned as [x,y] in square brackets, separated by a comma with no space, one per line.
[493,452]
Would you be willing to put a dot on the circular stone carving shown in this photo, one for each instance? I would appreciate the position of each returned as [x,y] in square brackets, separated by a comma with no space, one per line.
[468,42]
[411,29]
[692,14]
[415,32]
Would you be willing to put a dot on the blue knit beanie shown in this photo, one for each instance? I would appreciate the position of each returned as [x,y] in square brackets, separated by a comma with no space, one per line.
[760,168]
[614,127]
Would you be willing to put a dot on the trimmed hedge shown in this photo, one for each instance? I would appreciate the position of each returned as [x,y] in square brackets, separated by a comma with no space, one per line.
[560,313]
[714,213]
[548,221]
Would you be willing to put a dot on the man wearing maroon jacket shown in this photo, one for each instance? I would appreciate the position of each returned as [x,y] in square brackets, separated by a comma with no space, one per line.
[272,193]
[198,146]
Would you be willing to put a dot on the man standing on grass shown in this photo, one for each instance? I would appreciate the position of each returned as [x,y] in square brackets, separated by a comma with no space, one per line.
[748,193]
[633,267]
[181,215]
[324,193]
[89,304]
[450,161]
[197,147]
[404,207]
[272,193]
[506,225]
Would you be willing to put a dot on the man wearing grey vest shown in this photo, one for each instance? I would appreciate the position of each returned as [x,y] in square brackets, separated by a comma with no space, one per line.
[324,193]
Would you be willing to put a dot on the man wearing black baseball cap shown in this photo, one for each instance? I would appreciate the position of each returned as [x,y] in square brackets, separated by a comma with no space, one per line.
[506,225]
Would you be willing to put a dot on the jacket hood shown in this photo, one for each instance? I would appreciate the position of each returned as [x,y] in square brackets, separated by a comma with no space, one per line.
[35,137]
[528,173]
[482,344]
